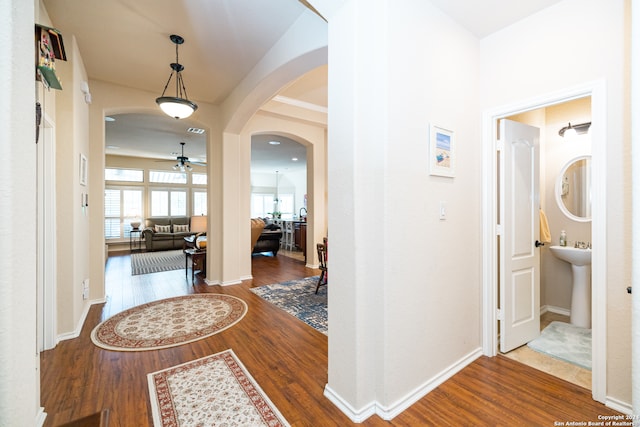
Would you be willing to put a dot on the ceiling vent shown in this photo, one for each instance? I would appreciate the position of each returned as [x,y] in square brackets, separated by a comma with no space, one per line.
[196,131]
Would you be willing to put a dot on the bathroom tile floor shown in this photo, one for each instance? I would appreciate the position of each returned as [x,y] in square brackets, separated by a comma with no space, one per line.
[558,368]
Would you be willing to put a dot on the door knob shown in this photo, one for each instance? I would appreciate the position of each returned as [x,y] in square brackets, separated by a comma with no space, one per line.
[539,243]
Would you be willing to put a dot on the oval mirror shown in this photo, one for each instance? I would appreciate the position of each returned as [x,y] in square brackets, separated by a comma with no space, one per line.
[573,189]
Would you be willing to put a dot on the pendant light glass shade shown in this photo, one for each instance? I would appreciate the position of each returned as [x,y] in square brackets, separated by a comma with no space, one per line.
[177,106]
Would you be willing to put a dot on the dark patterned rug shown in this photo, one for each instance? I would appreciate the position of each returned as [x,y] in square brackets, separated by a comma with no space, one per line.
[298,298]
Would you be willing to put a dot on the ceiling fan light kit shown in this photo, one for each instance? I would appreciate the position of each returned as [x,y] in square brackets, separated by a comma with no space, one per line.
[184,164]
[177,106]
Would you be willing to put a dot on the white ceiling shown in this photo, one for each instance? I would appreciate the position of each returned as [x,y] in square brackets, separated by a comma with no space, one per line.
[127,43]
[488,16]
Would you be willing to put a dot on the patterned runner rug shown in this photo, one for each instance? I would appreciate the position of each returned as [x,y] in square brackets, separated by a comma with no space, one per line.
[216,390]
[298,298]
[169,322]
[155,262]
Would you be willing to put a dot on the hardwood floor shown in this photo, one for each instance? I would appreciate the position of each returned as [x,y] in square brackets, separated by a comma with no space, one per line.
[289,361]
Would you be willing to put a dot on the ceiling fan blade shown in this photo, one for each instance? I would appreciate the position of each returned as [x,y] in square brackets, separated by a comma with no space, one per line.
[198,163]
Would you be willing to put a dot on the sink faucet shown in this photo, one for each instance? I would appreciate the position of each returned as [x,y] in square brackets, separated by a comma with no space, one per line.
[300,212]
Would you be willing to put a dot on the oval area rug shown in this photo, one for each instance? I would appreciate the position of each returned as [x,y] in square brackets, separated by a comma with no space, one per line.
[169,322]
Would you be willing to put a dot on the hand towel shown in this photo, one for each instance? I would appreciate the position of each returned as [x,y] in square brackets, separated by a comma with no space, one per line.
[545,234]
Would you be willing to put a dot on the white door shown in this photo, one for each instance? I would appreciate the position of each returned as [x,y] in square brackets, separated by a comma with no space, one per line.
[520,225]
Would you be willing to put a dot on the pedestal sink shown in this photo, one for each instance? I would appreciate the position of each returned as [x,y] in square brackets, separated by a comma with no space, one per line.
[580,260]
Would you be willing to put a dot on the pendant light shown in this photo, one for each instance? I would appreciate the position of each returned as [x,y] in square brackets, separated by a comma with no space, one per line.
[177,106]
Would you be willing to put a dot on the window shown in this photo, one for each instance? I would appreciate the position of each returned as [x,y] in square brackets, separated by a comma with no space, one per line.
[121,207]
[168,203]
[285,206]
[199,178]
[261,205]
[199,203]
[164,177]
[178,203]
[127,175]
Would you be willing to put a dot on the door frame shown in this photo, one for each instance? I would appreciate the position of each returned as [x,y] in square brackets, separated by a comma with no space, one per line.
[46,270]
[490,255]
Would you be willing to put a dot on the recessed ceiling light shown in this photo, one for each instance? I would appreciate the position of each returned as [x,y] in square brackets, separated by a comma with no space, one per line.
[294,159]
[109,119]
[196,131]
[274,142]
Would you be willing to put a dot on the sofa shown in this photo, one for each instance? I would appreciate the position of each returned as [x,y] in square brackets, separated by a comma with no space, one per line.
[165,233]
[265,237]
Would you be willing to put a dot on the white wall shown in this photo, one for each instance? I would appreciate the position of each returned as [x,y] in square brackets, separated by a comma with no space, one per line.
[546,53]
[19,360]
[405,299]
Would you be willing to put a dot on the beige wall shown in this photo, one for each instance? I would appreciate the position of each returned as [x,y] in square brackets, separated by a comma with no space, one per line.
[72,140]
[112,99]
[556,273]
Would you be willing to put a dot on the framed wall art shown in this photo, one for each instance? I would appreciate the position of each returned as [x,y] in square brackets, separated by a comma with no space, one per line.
[441,152]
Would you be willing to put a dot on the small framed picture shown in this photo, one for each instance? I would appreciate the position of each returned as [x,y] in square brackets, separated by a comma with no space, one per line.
[83,170]
[441,152]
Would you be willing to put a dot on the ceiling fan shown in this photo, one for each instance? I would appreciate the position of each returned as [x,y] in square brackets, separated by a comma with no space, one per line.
[184,164]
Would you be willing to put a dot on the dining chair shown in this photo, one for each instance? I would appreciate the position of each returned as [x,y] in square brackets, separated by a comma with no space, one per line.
[322,259]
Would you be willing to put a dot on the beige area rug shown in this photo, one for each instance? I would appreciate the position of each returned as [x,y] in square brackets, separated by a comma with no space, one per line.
[155,262]
[216,390]
[169,322]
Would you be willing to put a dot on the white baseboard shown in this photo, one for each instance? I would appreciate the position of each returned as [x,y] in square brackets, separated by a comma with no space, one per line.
[40,417]
[618,405]
[76,332]
[356,416]
[210,282]
[316,266]
[389,412]
[556,310]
